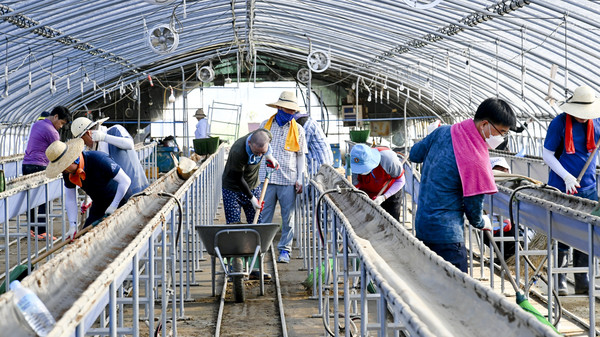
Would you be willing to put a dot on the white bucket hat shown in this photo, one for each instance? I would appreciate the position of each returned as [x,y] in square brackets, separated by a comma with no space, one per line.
[499,161]
[61,155]
[83,124]
[583,104]
[287,100]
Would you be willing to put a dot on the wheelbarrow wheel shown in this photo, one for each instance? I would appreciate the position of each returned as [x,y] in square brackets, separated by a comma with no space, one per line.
[238,280]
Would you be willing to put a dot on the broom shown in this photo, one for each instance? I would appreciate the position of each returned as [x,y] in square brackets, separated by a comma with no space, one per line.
[522,301]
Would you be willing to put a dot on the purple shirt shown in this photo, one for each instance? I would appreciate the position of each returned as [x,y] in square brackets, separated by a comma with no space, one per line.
[43,133]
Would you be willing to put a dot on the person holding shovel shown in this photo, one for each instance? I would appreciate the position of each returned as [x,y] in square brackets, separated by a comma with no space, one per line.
[379,172]
[289,146]
[241,188]
[99,176]
[455,177]
[570,143]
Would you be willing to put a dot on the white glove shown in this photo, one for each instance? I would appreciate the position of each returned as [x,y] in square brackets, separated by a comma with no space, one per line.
[271,162]
[571,184]
[487,223]
[255,203]
[98,135]
[72,231]
[110,210]
[379,200]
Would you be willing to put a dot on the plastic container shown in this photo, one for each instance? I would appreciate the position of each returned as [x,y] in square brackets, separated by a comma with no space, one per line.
[359,136]
[205,146]
[33,309]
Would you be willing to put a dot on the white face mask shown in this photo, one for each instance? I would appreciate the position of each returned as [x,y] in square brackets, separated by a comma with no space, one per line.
[493,141]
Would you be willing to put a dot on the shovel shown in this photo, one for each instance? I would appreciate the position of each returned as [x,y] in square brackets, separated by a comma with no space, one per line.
[596,210]
[262,196]
[522,301]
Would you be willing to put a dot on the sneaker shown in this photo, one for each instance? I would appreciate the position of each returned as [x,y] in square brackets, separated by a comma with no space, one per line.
[284,256]
[255,275]
[44,235]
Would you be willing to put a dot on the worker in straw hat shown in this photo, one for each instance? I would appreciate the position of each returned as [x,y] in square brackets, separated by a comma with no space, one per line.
[118,144]
[94,172]
[202,125]
[570,140]
[289,147]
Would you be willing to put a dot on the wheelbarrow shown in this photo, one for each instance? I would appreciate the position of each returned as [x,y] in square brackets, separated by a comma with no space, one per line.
[237,241]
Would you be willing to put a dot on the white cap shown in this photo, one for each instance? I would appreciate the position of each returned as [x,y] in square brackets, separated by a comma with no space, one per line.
[499,161]
[433,126]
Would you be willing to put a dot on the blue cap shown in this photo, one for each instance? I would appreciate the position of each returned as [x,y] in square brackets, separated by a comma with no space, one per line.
[363,159]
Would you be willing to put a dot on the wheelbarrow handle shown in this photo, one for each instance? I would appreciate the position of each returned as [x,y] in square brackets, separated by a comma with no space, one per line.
[262,196]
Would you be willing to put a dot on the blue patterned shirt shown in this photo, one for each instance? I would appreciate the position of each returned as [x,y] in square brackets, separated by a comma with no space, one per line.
[441,204]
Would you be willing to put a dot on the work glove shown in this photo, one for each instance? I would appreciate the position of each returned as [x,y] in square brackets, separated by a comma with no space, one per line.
[379,200]
[487,223]
[110,210]
[255,203]
[298,187]
[571,184]
[271,162]
[72,231]
[85,207]
[98,135]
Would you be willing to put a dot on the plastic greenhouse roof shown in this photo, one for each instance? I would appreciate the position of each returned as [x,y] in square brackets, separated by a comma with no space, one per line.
[446,55]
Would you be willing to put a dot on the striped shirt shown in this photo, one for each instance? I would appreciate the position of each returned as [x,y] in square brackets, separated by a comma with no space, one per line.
[319,151]
[287,173]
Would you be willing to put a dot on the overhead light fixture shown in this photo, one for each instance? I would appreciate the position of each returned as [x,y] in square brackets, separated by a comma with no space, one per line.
[172,96]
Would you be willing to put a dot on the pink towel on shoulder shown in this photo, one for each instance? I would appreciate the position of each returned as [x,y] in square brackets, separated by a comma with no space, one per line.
[472,159]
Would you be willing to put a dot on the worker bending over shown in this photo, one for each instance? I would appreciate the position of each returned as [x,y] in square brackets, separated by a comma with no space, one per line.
[94,172]
[379,173]
[455,176]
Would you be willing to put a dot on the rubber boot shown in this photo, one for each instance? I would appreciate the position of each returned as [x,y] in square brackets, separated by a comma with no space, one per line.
[580,259]
[563,259]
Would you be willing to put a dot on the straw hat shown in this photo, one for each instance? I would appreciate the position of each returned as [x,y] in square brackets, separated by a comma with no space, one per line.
[61,155]
[583,104]
[83,124]
[200,113]
[364,159]
[287,100]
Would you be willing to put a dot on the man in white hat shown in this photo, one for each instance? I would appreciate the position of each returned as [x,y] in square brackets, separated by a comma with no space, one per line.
[289,146]
[202,125]
[118,144]
[99,176]
[570,140]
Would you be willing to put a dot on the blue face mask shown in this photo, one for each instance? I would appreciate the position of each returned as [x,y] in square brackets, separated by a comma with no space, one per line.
[282,117]
[252,158]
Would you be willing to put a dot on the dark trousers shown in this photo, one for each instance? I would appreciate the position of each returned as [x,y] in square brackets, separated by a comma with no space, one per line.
[393,205]
[29,169]
[455,253]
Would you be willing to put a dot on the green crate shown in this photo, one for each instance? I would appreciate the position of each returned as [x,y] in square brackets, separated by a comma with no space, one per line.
[359,136]
[208,145]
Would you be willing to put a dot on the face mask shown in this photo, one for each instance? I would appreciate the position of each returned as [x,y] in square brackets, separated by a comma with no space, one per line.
[493,141]
[282,117]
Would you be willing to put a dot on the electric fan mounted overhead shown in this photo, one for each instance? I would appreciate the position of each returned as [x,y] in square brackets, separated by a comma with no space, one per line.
[318,61]
[163,39]
[206,74]
[303,75]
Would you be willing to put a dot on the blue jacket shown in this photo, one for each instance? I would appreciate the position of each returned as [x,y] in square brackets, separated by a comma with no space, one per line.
[441,204]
